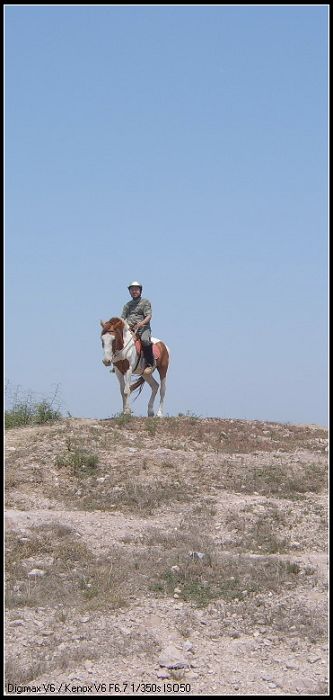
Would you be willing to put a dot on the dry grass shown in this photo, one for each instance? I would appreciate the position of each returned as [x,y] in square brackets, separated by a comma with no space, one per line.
[227,499]
[136,497]
[266,533]
[189,560]
[279,615]
[278,477]
[80,459]
[73,575]
[226,436]
[21,675]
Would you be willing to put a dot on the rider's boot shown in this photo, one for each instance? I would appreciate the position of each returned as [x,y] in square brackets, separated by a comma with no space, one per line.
[149,359]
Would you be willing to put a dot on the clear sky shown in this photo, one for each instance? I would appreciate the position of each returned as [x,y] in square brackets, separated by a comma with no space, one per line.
[187,147]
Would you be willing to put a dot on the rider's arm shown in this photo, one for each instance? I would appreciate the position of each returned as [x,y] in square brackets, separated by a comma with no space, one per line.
[142,323]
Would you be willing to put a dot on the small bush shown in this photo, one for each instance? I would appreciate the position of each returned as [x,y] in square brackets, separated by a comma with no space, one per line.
[43,413]
[81,462]
[122,418]
[26,411]
[20,415]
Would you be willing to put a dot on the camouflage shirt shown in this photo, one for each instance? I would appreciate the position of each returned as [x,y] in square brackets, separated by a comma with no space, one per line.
[136,310]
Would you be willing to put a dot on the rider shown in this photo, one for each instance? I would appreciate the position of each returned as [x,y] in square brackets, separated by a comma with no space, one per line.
[138,314]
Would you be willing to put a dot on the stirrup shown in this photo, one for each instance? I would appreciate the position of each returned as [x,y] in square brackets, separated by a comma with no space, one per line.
[149,369]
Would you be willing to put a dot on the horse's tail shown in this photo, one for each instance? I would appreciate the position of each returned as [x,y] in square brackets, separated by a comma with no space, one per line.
[137,385]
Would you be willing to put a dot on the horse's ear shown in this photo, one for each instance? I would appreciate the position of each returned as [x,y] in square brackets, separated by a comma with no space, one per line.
[102,323]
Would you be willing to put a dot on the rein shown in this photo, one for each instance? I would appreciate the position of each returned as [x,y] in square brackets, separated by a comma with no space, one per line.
[118,352]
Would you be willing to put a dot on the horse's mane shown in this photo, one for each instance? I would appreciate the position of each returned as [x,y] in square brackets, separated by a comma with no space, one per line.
[116,321]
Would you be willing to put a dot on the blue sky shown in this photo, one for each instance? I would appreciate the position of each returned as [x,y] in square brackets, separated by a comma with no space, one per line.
[187,147]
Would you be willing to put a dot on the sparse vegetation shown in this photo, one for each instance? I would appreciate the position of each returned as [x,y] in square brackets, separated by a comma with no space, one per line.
[73,575]
[25,410]
[23,414]
[207,526]
[81,462]
[265,532]
[227,578]
[122,419]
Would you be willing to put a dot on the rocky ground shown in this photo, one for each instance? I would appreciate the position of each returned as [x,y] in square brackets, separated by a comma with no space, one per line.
[175,556]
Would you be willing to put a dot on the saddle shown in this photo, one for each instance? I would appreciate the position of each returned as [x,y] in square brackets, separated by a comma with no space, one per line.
[138,346]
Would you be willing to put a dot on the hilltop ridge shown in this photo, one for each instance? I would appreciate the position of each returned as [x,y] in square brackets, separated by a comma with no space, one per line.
[176,550]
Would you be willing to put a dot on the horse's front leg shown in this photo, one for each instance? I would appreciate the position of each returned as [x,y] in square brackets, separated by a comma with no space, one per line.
[125,381]
[127,391]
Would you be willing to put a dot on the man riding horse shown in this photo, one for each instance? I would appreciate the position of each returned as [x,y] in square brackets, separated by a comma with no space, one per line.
[138,314]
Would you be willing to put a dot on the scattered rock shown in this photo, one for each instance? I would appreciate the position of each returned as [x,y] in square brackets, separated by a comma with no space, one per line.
[171,657]
[16,623]
[36,572]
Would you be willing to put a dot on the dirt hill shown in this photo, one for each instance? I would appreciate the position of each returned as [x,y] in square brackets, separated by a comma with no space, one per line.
[175,556]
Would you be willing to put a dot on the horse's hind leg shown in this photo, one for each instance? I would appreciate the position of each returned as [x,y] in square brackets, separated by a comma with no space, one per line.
[154,389]
[162,367]
[162,395]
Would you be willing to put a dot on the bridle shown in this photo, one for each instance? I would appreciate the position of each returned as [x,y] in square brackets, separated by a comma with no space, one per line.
[130,342]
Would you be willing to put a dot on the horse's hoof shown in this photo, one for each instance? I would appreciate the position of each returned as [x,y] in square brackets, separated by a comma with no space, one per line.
[151,414]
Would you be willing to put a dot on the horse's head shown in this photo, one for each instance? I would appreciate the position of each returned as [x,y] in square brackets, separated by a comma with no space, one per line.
[112,338]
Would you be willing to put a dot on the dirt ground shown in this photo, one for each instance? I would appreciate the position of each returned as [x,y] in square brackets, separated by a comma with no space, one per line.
[175,556]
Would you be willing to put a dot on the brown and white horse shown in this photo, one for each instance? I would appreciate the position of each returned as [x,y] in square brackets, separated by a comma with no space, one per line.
[121,350]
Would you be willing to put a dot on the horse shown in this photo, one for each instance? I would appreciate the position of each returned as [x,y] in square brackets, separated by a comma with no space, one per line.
[122,350]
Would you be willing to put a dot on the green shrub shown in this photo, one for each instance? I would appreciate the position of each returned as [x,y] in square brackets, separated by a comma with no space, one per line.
[43,413]
[25,411]
[81,462]
[21,414]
